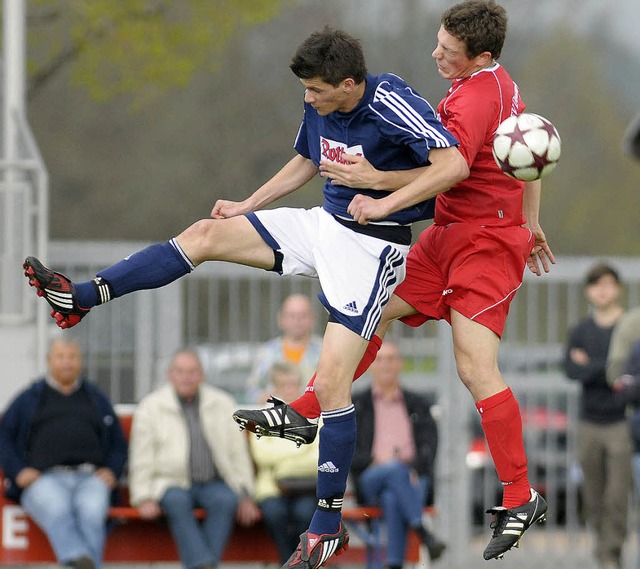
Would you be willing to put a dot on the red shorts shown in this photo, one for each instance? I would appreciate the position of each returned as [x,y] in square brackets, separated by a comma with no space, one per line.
[473,269]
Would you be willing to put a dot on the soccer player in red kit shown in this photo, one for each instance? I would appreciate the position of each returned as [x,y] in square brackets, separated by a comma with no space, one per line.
[467,266]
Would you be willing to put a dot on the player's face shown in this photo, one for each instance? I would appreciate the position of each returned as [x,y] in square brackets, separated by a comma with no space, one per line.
[451,57]
[324,97]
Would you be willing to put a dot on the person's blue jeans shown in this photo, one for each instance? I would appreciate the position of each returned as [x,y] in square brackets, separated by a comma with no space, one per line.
[200,543]
[401,496]
[286,518]
[71,508]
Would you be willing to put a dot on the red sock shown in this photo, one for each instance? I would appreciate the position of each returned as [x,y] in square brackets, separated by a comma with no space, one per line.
[369,355]
[307,404]
[502,425]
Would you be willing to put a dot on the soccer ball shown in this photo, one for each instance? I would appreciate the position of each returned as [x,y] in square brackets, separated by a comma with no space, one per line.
[526,147]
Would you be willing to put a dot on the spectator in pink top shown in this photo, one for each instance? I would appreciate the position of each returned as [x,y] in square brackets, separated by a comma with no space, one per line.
[393,468]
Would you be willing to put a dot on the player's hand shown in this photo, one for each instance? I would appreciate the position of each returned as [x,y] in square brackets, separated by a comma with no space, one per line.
[541,254]
[356,173]
[224,209]
[365,209]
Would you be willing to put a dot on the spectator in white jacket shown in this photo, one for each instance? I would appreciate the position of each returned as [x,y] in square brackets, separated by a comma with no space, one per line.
[185,452]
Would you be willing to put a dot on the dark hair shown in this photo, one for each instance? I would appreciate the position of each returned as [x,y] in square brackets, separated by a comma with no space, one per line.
[598,271]
[332,55]
[480,24]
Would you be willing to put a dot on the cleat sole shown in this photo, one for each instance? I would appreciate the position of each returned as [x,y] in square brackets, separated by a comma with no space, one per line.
[260,431]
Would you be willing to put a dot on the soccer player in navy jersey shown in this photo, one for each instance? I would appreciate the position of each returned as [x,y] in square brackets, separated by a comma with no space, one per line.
[346,111]
[468,265]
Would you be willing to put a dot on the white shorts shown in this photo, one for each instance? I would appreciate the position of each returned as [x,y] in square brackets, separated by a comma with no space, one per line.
[357,273]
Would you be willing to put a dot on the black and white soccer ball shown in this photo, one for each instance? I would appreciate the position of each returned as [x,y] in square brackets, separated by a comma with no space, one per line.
[526,147]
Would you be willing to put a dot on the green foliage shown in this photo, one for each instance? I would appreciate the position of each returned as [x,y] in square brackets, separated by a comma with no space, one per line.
[139,48]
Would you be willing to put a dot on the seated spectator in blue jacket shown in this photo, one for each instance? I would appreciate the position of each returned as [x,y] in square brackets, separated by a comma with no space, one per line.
[393,465]
[62,450]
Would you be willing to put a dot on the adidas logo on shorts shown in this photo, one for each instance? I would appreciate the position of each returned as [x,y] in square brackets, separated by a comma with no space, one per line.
[351,306]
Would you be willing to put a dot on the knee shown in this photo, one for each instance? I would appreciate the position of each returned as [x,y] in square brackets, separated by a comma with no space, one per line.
[199,230]
[273,509]
[332,388]
[227,501]
[399,472]
[465,372]
[198,239]
[53,509]
[93,513]
[322,388]
[44,499]
[176,500]
[478,373]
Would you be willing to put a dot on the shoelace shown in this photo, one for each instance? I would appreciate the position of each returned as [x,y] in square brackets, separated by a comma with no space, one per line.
[280,403]
[500,523]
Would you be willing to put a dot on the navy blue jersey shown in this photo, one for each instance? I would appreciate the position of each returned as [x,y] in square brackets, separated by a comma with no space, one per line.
[393,127]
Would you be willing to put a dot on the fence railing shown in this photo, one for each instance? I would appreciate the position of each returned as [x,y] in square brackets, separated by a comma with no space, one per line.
[23,218]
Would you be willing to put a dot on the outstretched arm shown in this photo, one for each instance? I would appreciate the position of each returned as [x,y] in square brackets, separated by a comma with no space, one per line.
[293,175]
[448,167]
[541,253]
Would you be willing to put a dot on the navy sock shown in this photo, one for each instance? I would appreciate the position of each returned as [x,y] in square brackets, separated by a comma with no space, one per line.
[337,443]
[153,267]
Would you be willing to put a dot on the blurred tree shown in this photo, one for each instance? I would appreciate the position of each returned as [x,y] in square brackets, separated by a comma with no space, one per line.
[135,47]
[587,201]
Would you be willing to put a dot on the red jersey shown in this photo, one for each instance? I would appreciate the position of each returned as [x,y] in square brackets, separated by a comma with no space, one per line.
[472,110]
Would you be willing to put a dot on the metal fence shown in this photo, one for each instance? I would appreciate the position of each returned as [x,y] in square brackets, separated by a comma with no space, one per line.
[23,224]
[226,311]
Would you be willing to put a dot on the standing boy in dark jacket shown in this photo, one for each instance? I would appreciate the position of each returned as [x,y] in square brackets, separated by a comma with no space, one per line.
[604,444]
